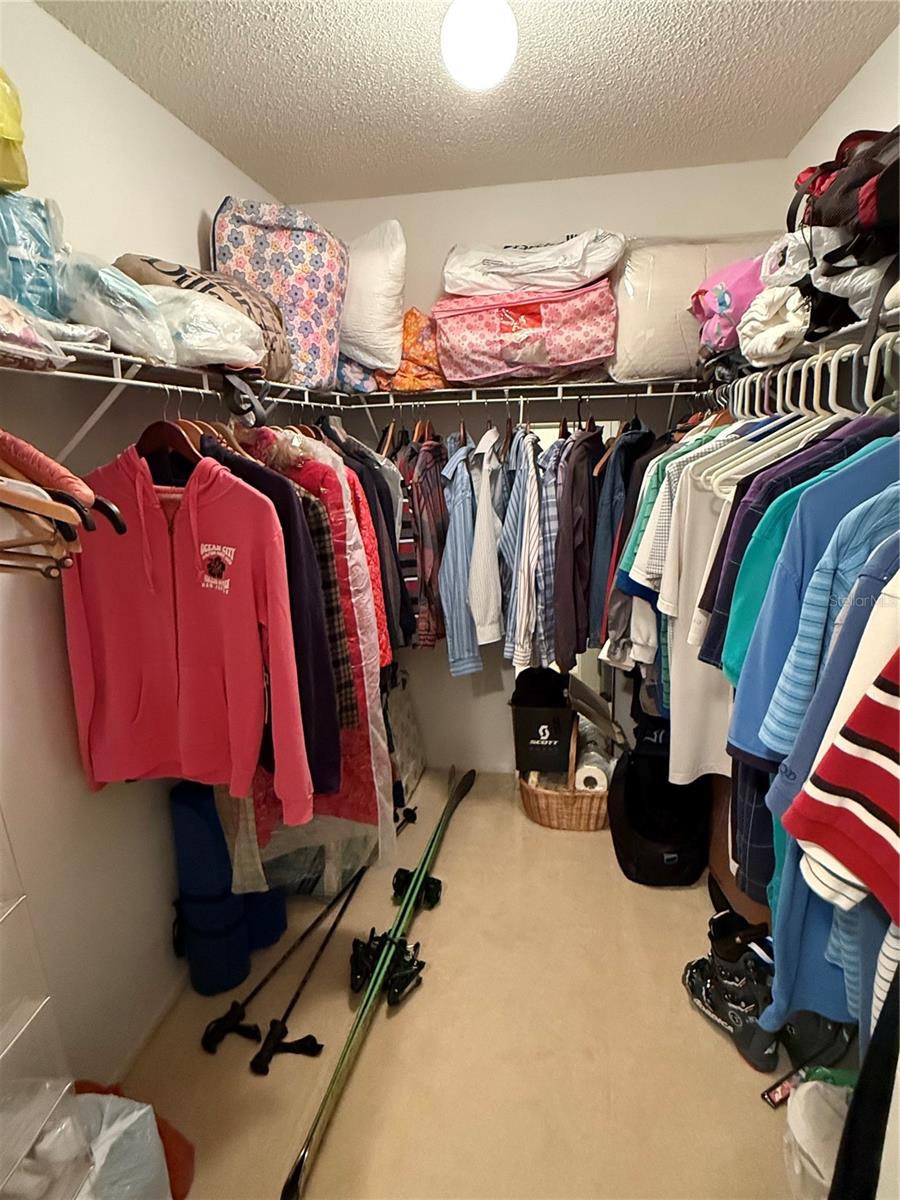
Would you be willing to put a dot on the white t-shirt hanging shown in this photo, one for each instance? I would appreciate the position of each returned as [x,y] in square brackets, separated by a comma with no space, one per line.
[699,695]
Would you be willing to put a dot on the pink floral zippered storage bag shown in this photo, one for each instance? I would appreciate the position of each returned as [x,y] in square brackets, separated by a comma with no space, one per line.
[525,335]
[300,266]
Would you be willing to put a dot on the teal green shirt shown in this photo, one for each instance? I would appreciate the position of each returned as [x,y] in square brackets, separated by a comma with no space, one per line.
[759,563]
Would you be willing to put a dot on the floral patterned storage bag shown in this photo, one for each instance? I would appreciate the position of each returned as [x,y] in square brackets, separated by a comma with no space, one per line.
[300,266]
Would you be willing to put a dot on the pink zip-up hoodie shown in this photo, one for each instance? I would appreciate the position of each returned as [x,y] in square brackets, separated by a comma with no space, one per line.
[172,630]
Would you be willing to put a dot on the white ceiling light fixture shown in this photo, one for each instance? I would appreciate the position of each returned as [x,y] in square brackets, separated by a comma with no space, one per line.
[479,40]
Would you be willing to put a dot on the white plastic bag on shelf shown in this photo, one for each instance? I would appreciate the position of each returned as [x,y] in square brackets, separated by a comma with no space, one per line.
[129,1162]
[67,333]
[815,1119]
[92,292]
[206,331]
[557,266]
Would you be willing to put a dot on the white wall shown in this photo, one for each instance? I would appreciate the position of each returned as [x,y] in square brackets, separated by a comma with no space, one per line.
[98,868]
[127,175]
[733,198]
[871,100]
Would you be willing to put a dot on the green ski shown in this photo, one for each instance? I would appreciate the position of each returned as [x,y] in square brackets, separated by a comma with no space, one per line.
[384,963]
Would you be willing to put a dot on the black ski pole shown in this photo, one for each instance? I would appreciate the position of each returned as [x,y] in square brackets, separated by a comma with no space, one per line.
[393,959]
[233,1021]
[276,1039]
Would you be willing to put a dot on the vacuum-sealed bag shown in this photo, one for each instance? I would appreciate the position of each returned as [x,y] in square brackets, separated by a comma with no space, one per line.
[94,293]
[206,331]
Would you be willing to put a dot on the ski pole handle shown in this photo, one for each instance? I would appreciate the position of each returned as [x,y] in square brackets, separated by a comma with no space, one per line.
[232,1022]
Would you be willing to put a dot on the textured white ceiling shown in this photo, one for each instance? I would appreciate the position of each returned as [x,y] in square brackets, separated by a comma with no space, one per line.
[331,99]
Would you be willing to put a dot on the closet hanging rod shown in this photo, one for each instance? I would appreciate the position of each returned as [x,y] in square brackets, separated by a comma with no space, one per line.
[418,400]
[540,391]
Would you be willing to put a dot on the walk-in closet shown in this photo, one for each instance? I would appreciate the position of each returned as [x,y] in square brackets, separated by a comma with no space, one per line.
[449,584]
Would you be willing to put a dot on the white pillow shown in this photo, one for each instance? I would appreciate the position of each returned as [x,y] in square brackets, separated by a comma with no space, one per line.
[372,326]
[658,336]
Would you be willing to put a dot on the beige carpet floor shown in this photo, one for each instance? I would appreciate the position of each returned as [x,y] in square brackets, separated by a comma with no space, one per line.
[550,1054]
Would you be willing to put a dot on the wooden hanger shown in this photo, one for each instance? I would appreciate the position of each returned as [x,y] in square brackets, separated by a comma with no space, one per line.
[225,434]
[564,428]
[12,472]
[193,432]
[507,440]
[40,532]
[44,564]
[166,435]
[13,497]
[387,442]
[607,453]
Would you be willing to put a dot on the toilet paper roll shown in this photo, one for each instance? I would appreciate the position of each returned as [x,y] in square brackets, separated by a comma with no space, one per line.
[590,774]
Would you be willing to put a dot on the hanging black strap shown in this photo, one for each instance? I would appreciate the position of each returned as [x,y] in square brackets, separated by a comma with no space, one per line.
[888,279]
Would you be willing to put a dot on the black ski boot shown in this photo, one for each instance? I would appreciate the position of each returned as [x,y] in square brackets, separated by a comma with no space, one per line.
[732,985]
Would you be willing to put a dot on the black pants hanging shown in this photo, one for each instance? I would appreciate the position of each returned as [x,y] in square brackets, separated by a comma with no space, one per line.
[859,1158]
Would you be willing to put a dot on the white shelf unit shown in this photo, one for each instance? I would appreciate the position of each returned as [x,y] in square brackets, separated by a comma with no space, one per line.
[43,1149]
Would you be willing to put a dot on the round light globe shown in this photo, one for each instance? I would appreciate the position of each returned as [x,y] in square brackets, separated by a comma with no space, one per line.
[479,40]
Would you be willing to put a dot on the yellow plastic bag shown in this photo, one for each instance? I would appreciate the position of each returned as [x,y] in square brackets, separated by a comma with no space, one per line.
[13,167]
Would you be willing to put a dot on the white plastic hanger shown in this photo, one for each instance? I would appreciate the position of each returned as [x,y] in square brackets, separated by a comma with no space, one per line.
[722,475]
[837,358]
[887,343]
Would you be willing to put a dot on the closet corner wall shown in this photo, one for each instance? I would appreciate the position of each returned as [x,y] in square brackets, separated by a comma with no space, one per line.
[106,949]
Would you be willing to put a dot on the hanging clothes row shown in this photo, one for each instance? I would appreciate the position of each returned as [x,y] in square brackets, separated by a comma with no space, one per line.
[503,534]
[755,594]
[232,629]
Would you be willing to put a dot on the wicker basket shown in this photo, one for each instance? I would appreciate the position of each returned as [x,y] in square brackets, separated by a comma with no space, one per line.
[564,808]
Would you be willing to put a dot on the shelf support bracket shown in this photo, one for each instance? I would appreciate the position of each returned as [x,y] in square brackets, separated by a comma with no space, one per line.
[102,408]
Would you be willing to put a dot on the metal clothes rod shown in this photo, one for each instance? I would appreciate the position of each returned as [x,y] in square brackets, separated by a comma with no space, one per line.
[410,399]
[555,391]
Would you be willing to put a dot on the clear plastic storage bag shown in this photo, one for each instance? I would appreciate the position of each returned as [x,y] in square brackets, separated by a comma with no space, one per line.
[94,293]
[28,267]
[206,331]
[24,343]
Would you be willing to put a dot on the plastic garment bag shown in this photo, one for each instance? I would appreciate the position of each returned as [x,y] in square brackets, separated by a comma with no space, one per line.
[129,1162]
